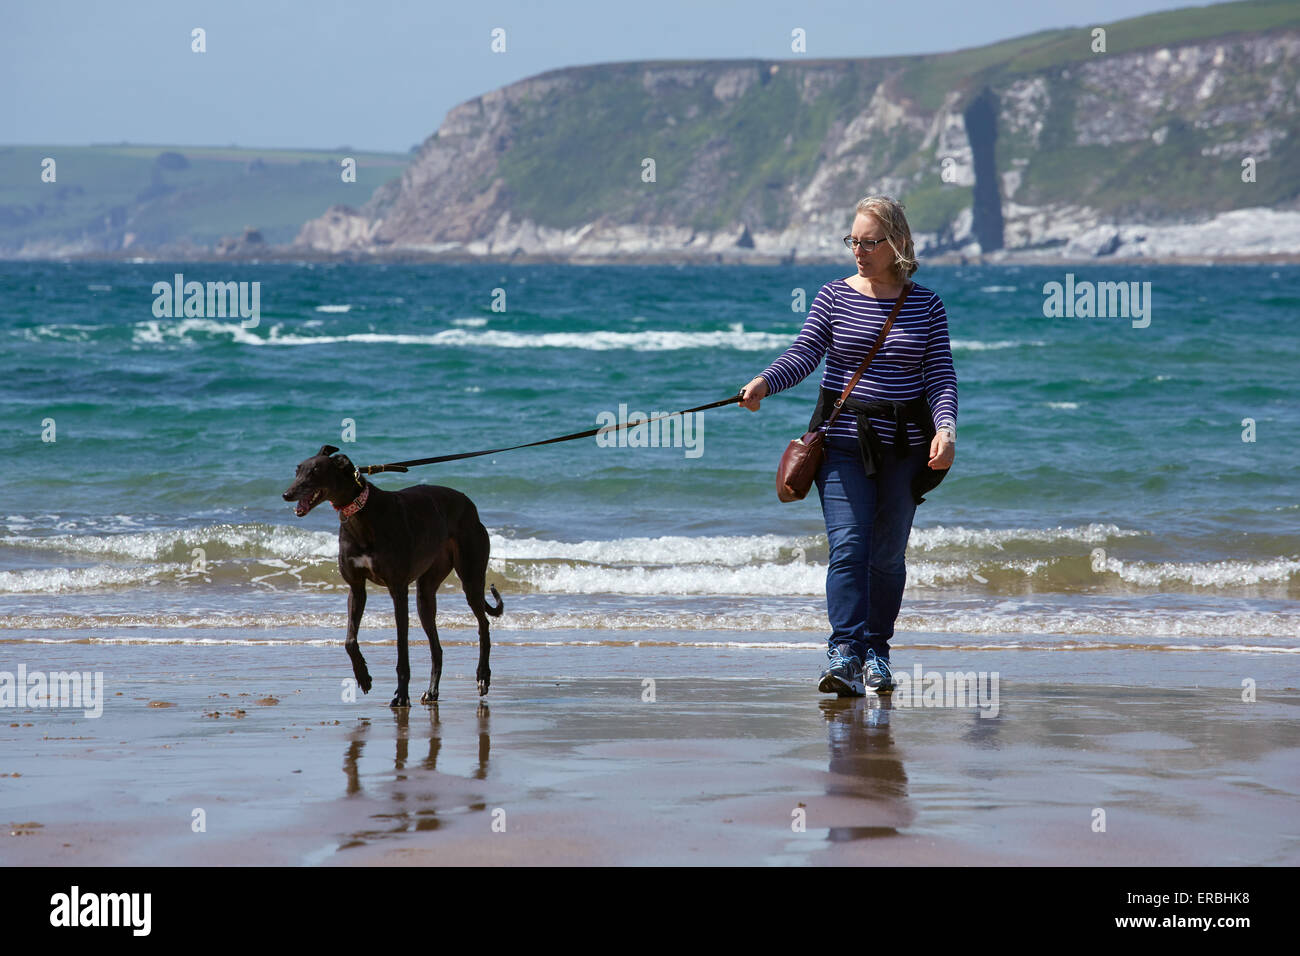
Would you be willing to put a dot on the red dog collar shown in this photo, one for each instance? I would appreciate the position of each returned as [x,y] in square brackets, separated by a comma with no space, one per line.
[347,511]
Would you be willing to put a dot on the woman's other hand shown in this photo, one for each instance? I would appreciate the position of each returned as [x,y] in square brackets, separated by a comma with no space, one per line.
[942,451]
[753,393]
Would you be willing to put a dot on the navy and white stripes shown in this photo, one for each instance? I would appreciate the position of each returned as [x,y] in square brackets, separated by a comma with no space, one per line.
[916,357]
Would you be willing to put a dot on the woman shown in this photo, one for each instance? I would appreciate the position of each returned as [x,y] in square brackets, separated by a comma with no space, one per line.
[878,464]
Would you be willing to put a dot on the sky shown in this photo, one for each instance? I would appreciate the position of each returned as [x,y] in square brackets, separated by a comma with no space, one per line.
[381,74]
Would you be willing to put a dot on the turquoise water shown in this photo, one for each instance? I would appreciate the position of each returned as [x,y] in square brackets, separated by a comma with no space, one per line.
[1102,486]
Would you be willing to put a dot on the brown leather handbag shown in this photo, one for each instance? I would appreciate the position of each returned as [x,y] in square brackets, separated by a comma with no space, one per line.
[804,456]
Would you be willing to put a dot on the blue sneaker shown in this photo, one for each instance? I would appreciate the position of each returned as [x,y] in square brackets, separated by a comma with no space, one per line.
[877,674]
[843,676]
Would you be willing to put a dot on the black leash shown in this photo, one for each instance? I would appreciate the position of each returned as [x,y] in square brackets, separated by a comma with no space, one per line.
[606,429]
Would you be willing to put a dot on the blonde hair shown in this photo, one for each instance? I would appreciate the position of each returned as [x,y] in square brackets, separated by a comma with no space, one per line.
[889,213]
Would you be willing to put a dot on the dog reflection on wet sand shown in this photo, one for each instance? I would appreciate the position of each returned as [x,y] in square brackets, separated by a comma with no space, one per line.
[410,811]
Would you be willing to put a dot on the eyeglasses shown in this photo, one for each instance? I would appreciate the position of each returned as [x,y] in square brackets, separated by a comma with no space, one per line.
[868,244]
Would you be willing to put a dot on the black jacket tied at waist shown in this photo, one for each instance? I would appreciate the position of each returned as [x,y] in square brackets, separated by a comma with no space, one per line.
[915,411]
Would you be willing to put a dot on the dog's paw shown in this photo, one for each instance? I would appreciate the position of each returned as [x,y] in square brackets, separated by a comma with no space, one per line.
[400,701]
[483,686]
[429,697]
[364,683]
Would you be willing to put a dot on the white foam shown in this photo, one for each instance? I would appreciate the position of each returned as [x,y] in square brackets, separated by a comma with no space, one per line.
[153,332]
[63,331]
[767,579]
[98,577]
[158,331]
[940,574]
[274,556]
[284,541]
[938,536]
[1024,629]
[972,345]
[669,549]
[334,308]
[793,578]
[1204,574]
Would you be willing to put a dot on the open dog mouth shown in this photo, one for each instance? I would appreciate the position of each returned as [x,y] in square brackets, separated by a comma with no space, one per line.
[310,501]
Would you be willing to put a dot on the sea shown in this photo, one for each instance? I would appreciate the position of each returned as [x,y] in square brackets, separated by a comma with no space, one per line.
[1119,482]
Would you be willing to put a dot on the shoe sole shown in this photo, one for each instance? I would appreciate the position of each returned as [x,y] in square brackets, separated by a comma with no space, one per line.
[834,684]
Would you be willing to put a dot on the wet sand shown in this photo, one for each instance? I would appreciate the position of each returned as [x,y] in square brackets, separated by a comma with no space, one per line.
[567,762]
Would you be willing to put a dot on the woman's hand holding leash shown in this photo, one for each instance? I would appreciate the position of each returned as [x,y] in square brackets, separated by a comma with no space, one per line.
[753,393]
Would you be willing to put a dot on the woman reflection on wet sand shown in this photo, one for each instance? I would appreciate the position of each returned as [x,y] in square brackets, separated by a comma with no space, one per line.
[866,781]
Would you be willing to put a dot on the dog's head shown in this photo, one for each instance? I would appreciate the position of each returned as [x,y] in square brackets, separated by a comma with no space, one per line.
[323,476]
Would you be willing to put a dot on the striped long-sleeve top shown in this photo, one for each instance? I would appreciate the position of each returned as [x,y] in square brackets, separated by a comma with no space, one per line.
[916,357]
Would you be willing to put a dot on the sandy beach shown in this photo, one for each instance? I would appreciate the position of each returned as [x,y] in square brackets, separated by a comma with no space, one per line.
[207,757]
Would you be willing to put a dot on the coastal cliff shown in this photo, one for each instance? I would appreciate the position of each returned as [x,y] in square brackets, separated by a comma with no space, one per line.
[1176,138]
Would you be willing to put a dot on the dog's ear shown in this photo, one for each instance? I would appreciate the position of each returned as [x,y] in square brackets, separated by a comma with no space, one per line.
[343,463]
[327,450]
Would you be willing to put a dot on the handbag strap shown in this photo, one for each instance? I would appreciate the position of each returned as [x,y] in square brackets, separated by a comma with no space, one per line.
[880,340]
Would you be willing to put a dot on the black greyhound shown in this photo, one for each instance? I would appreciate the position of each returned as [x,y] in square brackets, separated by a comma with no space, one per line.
[393,538]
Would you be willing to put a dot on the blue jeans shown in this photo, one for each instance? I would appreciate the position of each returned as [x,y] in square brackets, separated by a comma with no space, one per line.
[868,522]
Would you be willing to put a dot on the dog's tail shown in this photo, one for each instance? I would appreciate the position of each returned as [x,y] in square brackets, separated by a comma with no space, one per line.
[501,605]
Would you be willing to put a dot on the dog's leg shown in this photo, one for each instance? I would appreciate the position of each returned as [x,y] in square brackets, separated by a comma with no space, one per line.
[401,610]
[471,565]
[356,607]
[426,605]
[484,673]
